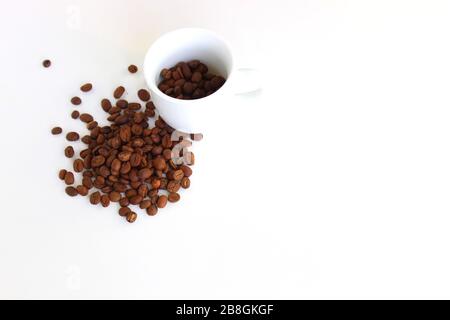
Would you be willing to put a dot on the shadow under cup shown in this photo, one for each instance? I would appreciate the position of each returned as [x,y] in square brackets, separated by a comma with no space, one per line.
[184,45]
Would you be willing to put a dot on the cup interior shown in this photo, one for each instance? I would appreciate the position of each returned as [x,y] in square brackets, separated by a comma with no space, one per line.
[185,45]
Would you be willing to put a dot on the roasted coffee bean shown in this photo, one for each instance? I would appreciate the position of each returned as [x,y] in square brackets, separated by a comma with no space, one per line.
[46,63]
[196,77]
[75,114]
[57,130]
[173,186]
[178,175]
[185,183]
[124,202]
[92,125]
[82,190]
[159,163]
[76,101]
[69,178]
[162,201]
[123,212]
[152,210]
[119,92]
[71,191]
[186,171]
[136,199]
[145,204]
[62,174]
[87,182]
[114,196]
[86,118]
[78,165]
[106,105]
[72,136]
[97,161]
[129,161]
[132,68]
[144,95]
[145,173]
[95,198]
[122,104]
[173,197]
[86,87]
[131,217]
[104,200]
[189,81]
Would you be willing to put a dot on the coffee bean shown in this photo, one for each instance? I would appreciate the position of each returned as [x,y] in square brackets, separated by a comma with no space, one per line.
[97,161]
[122,104]
[69,152]
[82,190]
[217,82]
[131,217]
[71,191]
[75,114]
[86,87]
[114,196]
[186,171]
[72,136]
[92,125]
[76,101]
[106,105]
[187,73]
[145,173]
[196,77]
[190,81]
[162,201]
[46,63]
[86,117]
[132,68]
[173,186]
[104,200]
[119,92]
[145,204]
[152,210]
[69,178]
[124,211]
[159,163]
[188,88]
[124,202]
[87,182]
[129,161]
[185,183]
[173,197]
[136,199]
[144,95]
[78,165]
[95,198]
[62,174]
[57,130]
[178,175]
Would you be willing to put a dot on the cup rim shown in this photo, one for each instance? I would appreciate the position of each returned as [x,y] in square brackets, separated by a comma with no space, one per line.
[152,84]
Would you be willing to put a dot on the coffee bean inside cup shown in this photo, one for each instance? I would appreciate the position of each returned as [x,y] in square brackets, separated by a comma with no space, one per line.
[189,80]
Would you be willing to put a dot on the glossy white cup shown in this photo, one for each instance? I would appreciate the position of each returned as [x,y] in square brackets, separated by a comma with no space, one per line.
[200,115]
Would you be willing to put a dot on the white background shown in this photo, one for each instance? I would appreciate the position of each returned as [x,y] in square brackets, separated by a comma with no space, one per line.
[332,182]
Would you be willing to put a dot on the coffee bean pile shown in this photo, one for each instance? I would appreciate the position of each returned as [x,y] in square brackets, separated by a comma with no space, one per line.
[189,80]
[128,161]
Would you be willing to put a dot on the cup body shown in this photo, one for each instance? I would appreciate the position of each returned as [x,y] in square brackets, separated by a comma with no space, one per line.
[190,116]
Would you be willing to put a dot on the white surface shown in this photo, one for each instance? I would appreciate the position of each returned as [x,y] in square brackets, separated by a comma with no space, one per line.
[333,182]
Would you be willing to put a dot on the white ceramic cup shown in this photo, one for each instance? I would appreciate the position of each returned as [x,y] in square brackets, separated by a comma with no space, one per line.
[200,115]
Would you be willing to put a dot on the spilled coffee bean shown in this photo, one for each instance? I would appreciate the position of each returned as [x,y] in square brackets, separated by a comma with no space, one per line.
[130,160]
[57,130]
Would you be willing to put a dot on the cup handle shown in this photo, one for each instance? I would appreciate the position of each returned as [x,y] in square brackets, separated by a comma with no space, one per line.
[246,80]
